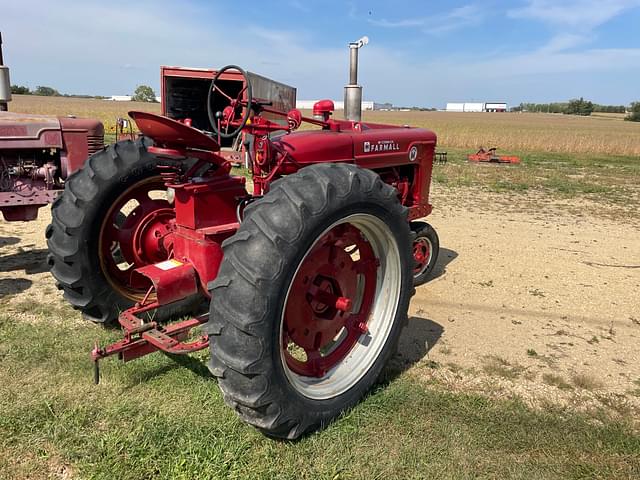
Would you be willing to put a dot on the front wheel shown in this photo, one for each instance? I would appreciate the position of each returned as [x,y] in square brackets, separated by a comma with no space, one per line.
[426,247]
[311,298]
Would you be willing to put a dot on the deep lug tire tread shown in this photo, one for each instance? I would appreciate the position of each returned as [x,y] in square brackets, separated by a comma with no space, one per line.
[75,223]
[248,293]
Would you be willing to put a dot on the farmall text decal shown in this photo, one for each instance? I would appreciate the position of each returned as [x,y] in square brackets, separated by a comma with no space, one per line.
[380,146]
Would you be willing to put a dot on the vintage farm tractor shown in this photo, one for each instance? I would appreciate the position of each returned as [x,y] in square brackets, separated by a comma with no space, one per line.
[37,154]
[308,269]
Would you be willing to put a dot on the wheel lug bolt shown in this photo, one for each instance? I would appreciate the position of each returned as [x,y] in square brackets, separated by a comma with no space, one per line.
[362,327]
[343,304]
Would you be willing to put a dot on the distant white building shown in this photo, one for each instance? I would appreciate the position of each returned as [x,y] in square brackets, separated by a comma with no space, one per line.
[339,104]
[455,107]
[126,98]
[477,107]
[120,98]
[474,107]
[495,107]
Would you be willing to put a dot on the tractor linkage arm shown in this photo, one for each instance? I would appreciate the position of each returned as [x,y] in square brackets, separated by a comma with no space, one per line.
[142,338]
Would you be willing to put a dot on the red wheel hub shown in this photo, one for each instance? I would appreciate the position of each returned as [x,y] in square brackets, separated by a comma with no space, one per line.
[329,301]
[421,254]
[148,239]
[135,234]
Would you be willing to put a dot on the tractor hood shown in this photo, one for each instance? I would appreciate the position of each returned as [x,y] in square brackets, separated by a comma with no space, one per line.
[317,145]
[20,130]
[365,144]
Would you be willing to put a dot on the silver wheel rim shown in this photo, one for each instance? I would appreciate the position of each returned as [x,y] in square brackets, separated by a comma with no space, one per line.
[350,370]
[428,262]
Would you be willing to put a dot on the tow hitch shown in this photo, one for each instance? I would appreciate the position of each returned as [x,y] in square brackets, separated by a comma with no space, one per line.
[143,337]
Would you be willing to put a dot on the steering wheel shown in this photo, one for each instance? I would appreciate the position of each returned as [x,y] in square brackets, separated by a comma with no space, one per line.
[229,113]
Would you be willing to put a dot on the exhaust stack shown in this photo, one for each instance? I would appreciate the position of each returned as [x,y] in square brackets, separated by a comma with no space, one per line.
[5,83]
[353,91]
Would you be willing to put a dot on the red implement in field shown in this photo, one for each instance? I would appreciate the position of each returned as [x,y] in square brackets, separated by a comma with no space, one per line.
[490,156]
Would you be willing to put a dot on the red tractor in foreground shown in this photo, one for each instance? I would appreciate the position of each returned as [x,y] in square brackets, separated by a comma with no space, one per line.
[308,271]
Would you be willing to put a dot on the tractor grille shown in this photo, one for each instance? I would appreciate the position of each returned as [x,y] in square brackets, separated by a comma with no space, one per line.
[95,143]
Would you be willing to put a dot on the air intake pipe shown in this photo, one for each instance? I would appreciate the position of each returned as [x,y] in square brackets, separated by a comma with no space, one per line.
[353,91]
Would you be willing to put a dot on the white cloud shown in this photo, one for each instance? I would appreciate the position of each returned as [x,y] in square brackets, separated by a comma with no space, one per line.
[581,14]
[109,48]
[552,62]
[459,17]
[99,48]
[565,41]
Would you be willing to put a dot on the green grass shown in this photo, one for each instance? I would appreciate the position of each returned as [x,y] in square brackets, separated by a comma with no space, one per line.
[608,179]
[155,418]
[585,381]
[498,366]
[556,381]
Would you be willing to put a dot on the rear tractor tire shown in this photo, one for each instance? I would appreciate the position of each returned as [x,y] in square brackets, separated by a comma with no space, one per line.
[105,224]
[426,247]
[311,298]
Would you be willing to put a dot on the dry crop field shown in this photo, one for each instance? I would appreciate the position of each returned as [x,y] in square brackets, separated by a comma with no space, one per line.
[104,110]
[520,359]
[539,132]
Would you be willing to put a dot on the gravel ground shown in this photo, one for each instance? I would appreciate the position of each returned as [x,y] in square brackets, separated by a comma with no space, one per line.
[533,298]
[530,301]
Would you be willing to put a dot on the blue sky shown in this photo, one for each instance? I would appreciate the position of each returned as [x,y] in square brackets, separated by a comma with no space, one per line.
[420,53]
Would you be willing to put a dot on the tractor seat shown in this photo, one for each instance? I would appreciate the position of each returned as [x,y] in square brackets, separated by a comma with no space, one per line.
[168,133]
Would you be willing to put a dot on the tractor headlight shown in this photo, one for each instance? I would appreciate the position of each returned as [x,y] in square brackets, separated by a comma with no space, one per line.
[171,195]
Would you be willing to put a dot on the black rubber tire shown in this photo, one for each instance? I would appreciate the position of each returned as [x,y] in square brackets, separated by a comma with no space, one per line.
[423,229]
[76,217]
[259,263]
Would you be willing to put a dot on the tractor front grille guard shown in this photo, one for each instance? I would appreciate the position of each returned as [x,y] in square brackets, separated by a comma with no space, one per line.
[143,337]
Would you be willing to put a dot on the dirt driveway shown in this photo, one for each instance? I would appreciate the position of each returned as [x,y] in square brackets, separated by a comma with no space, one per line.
[543,306]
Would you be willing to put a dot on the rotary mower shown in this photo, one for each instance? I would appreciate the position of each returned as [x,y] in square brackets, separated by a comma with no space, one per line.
[308,272]
[490,156]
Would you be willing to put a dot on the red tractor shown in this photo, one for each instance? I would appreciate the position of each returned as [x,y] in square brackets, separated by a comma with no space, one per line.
[37,153]
[308,269]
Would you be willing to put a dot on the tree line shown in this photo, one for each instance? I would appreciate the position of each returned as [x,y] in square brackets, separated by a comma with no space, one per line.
[580,106]
[576,106]
[143,93]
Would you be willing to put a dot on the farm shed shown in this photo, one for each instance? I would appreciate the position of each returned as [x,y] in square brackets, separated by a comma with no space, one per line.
[495,107]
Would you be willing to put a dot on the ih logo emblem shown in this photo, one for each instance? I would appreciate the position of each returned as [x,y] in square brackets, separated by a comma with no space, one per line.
[413,154]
